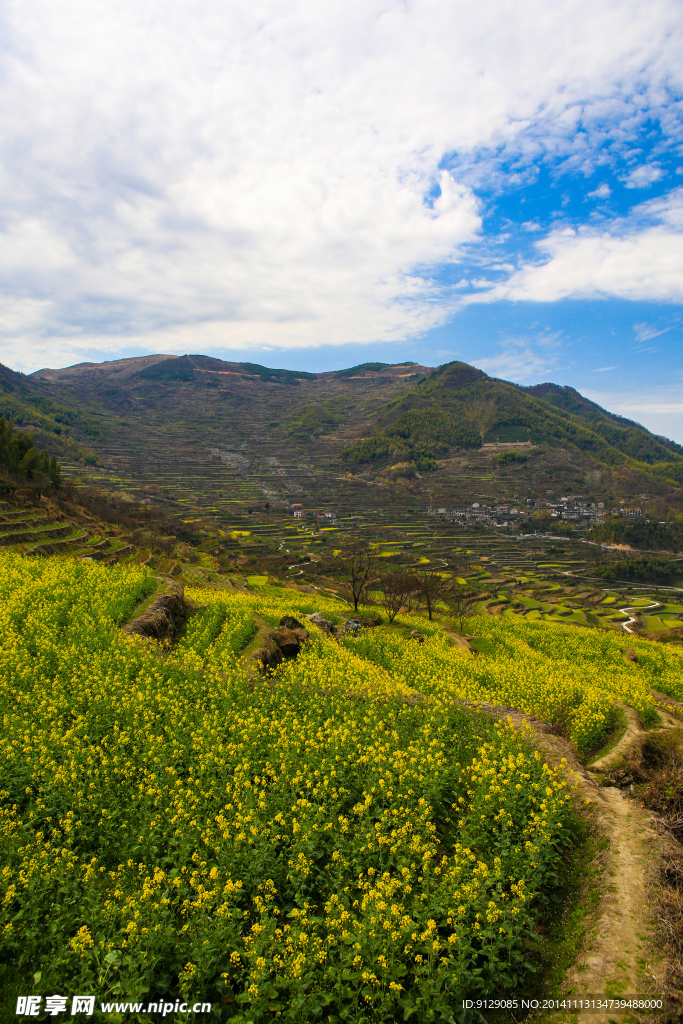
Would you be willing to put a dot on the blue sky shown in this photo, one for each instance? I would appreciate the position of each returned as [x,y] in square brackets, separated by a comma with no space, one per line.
[313,186]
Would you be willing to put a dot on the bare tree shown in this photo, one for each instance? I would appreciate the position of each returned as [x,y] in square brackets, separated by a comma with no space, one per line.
[357,564]
[414,595]
[396,589]
[462,603]
[433,587]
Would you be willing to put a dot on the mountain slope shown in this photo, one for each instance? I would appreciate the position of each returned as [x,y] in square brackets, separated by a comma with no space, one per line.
[206,430]
[53,423]
[627,435]
[223,436]
[460,406]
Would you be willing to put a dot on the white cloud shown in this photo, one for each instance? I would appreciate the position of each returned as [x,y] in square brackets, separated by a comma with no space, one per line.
[646,332]
[636,259]
[523,360]
[217,176]
[641,177]
[661,411]
[601,192]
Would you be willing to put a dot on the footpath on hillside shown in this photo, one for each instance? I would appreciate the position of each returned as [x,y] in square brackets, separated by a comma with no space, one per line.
[622,954]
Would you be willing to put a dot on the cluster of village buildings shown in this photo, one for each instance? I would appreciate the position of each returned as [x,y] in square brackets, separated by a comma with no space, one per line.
[574,508]
[299,512]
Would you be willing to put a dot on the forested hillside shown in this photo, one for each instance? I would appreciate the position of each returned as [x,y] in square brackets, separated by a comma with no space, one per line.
[62,426]
[457,406]
[20,458]
[244,434]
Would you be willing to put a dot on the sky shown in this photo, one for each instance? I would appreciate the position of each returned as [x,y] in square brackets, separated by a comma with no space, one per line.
[315,185]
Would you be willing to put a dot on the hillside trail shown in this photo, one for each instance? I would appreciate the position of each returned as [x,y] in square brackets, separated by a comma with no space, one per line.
[459,641]
[620,954]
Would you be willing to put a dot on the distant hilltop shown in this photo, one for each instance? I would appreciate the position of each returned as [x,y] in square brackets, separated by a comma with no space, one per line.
[177,423]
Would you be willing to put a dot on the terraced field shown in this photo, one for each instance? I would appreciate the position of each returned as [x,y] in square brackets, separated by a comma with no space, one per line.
[49,530]
[536,578]
[346,833]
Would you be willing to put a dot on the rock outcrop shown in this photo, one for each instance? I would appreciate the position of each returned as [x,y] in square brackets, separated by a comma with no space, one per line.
[164,617]
[289,640]
[289,622]
[284,642]
[319,620]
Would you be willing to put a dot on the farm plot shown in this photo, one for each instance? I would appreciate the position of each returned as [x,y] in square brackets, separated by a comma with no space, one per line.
[334,839]
[343,834]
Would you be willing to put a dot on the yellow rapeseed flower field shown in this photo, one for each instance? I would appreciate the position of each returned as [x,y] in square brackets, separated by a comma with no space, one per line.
[340,840]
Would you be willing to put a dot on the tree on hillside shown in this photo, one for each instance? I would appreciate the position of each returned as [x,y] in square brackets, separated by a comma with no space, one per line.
[462,603]
[357,564]
[645,569]
[399,590]
[413,596]
[55,472]
[641,533]
[20,457]
[433,587]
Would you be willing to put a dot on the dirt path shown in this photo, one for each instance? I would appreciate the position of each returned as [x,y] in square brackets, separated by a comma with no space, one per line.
[632,734]
[461,642]
[621,957]
[620,954]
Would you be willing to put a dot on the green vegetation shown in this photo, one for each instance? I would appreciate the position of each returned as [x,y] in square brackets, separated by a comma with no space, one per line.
[372,449]
[560,529]
[20,457]
[641,533]
[331,842]
[511,455]
[25,406]
[424,454]
[457,402]
[318,418]
[363,368]
[434,426]
[672,472]
[624,434]
[265,373]
[646,570]
[169,371]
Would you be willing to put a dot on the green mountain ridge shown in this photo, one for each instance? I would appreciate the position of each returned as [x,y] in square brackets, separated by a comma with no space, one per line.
[571,401]
[53,423]
[226,435]
[460,406]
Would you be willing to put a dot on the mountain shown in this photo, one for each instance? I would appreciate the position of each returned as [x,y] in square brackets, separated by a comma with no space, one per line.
[53,424]
[217,436]
[636,439]
[460,406]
